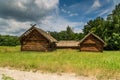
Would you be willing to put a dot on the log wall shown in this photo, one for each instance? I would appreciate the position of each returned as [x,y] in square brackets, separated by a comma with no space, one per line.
[35,42]
[91,43]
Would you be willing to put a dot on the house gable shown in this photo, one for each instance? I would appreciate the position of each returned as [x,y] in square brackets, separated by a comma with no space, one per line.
[91,42]
[36,39]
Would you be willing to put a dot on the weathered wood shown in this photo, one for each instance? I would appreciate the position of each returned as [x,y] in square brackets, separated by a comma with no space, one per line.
[92,43]
[35,41]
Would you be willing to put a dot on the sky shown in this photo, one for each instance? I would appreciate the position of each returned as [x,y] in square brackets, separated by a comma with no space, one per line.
[50,15]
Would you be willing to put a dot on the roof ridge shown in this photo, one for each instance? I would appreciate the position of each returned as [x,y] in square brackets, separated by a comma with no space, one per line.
[48,36]
[94,36]
[45,34]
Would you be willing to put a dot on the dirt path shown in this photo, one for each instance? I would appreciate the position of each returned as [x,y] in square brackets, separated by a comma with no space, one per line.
[23,75]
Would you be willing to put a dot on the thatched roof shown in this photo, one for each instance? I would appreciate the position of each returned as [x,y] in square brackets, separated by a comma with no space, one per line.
[68,44]
[94,36]
[45,34]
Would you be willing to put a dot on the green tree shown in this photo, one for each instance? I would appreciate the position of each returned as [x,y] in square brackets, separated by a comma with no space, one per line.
[7,40]
[68,34]
[108,30]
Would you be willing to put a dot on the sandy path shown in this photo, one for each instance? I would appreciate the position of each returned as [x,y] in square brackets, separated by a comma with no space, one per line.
[23,75]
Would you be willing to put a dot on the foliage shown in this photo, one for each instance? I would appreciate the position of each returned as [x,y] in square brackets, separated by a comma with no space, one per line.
[105,64]
[67,35]
[108,30]
[7,40]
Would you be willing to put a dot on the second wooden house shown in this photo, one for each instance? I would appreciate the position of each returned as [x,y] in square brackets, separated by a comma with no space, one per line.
[91,43]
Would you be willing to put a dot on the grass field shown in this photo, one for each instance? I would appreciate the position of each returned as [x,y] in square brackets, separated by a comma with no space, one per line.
[102,65]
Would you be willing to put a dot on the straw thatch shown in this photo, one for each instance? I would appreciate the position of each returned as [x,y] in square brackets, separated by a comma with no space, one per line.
[45,34]
[68,44]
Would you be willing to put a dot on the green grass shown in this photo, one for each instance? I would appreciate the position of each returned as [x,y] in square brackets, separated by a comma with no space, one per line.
[101,65]
[6,77]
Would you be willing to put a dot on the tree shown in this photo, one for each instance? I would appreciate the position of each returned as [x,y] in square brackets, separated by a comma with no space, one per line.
[68,34]
[7,40]
[96,26]
[108,30]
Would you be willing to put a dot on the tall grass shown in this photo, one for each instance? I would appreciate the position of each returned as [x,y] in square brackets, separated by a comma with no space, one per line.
[106,64]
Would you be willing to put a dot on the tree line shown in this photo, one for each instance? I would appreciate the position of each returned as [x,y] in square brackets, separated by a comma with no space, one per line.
[7,40]
[108,29]
[67,34]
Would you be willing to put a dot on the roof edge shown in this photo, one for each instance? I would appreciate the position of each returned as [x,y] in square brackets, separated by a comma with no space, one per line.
[33,27]
[94,36]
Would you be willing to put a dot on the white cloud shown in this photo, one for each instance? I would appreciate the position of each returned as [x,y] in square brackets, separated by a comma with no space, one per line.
[108,0]
[78,30]
[13,27]
[103,12]
[116,1]
[69,13]
[109,10]
[26,10]
[16,16]
[96,4]
[64,11]
[47,3]
[52,23]
[73,14]
[94,7]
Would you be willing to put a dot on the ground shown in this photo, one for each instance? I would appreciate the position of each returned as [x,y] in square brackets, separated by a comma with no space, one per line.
[24,75]
[103,66]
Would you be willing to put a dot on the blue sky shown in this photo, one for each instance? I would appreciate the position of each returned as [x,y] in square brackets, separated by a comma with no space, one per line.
[83,10]
[50,15]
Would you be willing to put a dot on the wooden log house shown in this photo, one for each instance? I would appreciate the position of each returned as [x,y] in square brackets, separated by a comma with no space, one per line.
[36,39]
[92,43]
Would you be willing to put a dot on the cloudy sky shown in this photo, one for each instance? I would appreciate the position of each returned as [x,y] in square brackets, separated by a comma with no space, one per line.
[50,15]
